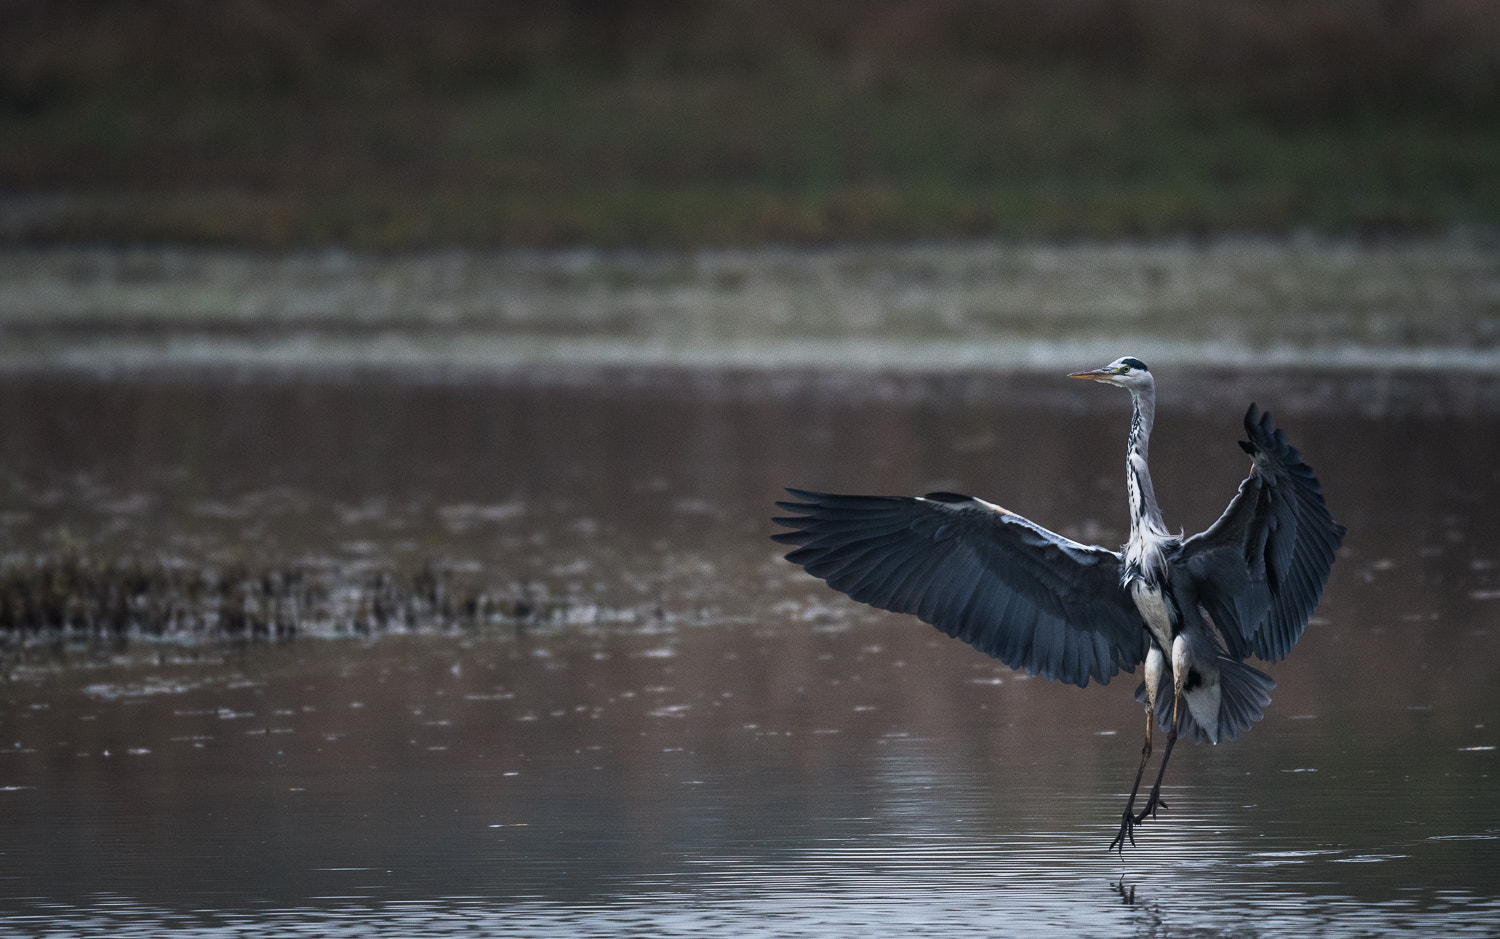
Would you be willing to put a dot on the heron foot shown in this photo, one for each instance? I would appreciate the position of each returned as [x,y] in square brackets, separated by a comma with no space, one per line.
[1128,821]
[1153,802]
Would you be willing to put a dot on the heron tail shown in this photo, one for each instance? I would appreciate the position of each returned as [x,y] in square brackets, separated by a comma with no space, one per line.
[1243,692]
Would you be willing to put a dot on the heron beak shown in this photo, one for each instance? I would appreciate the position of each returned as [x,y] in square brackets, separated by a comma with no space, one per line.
[1093,374]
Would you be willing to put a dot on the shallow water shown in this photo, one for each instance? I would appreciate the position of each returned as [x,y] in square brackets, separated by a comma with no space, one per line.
[942,307]
[705,740]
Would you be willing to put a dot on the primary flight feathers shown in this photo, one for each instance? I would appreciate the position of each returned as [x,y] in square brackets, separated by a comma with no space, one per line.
[1054,607]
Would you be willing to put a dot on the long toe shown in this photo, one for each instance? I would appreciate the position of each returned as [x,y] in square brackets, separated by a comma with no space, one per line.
[1152,804]
[1127,830]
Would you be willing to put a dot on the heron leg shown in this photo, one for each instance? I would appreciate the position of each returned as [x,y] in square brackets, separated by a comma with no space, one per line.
[1154,801]
[1128,820]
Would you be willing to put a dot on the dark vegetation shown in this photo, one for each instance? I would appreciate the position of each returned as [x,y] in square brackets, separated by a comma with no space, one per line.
[389,124]
[69,594]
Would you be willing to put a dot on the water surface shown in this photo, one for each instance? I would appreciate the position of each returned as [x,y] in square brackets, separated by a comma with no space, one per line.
[703,740]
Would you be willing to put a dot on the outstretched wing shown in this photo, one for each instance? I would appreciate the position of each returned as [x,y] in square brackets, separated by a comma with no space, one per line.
[1010,588]
[1262,566]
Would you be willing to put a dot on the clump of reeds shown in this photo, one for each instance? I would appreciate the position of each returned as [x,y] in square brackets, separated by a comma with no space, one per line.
[74,594]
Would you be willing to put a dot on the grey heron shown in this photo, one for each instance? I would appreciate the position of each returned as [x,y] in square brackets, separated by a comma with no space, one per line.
[1192,610]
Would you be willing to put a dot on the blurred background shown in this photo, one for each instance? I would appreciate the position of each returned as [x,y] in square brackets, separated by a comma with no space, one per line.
[471,344]
[373,123]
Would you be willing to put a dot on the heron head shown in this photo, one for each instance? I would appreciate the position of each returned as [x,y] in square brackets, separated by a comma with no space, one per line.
[1126,371]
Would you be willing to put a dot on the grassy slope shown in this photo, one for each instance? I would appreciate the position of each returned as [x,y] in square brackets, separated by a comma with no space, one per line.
[708,123]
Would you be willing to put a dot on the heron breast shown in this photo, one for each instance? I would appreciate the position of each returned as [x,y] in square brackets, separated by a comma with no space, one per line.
[1155,609]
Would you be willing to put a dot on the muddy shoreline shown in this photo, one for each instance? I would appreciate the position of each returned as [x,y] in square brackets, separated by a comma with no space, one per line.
[1420,304]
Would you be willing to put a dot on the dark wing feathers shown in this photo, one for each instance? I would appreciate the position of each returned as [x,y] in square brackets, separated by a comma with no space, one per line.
[1008,587]
[1262,566]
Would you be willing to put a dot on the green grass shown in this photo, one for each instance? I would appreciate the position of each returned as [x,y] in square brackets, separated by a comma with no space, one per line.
[794,143]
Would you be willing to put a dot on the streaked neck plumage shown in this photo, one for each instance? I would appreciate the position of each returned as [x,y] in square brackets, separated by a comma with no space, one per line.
[1148,533]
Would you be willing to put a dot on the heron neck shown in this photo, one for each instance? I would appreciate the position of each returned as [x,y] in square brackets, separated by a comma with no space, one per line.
[1145,515]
